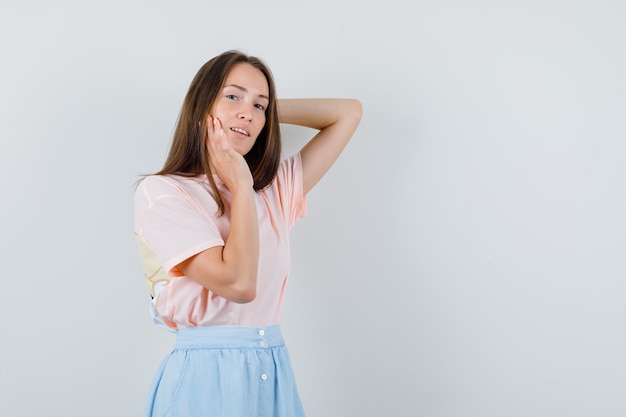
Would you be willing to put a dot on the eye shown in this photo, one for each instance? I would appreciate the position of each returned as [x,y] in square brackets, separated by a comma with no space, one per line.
[260,107]
[231,96]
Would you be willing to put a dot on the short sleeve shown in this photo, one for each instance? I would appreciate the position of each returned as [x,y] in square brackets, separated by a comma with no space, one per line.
[170,223]
[291,189]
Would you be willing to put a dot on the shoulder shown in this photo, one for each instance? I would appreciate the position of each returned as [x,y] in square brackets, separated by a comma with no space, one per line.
[288,180]
[154,187]
[166,180]
[290,167]
[169,182]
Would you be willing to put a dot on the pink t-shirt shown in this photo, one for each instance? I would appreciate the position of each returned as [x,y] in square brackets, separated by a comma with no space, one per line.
[176,218]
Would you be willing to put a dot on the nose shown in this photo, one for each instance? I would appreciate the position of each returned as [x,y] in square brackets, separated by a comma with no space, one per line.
[245,113]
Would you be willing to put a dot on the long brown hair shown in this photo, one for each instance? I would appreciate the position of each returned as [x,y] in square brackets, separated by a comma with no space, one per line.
[188,155]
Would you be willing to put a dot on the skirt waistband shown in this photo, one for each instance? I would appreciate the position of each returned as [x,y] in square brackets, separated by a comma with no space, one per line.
[228,337]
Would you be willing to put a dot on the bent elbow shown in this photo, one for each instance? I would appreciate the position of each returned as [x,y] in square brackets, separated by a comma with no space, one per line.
[243,291]
[357,109]
[244,296]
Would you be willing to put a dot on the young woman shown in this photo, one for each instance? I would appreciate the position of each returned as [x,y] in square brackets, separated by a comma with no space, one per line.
[212,228]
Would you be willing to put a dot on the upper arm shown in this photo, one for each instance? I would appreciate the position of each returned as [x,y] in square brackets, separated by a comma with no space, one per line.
[319,154]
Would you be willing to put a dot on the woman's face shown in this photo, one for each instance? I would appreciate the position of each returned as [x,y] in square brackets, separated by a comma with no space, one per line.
[241,104]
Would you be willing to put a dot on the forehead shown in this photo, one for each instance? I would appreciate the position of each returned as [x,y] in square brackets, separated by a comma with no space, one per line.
[246,76]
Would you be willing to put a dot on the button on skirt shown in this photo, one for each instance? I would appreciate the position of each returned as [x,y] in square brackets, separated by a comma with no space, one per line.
[225,372]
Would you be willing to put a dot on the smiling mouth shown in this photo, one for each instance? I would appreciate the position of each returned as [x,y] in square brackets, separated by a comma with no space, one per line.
[238,130]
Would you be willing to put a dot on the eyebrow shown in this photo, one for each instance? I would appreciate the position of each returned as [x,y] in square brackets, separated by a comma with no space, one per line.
[245,90]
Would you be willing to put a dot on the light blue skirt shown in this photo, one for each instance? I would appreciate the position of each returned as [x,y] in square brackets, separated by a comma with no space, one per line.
[225,372]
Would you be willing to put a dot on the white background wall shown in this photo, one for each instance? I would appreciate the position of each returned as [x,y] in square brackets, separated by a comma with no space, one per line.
[465,257]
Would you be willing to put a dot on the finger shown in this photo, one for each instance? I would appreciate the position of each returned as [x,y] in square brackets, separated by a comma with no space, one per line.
[220,135]
[209,128]
[212,133]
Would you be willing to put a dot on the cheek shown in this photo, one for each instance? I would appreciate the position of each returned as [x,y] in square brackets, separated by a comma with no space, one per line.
[262,120]
[221,108]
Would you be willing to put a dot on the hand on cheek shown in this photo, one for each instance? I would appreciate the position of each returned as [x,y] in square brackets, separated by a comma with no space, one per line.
[229,165]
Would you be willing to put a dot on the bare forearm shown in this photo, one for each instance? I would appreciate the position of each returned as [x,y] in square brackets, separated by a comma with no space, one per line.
[241,250]
[317,113]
